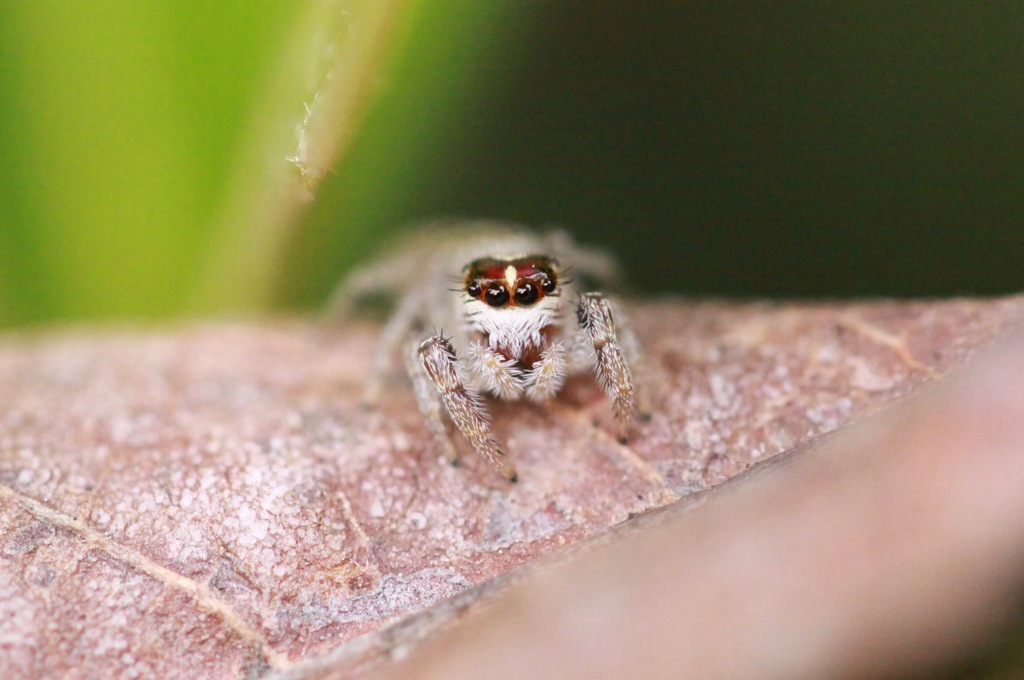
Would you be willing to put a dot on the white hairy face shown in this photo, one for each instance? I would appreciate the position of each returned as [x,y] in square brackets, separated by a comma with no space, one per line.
[512,300]
[514,330]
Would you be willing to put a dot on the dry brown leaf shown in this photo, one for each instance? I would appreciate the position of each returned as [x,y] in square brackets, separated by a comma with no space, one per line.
[893,550]
[214,497]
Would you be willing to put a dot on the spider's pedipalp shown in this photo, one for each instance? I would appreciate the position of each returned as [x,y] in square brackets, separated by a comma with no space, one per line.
[497,374]
[547,375]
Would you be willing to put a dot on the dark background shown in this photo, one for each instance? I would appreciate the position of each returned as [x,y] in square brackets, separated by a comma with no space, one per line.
[787,149]
[783,149]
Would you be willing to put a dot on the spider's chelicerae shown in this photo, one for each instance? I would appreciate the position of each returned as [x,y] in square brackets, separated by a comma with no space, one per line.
[492,308]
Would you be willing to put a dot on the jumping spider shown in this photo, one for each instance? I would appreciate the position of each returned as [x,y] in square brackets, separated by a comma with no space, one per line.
[503,293]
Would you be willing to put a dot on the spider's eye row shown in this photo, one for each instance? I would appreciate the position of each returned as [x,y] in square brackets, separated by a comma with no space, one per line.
[526,293]
[496,296]
[547,283]
[473,290]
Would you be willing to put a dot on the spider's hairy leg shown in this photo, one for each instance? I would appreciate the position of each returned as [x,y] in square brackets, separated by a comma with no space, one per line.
[429,402]
[437,360]
[637,364]
[592,263]
[547,375]
[597,323]
[369,279]
[495,372]
[393,335]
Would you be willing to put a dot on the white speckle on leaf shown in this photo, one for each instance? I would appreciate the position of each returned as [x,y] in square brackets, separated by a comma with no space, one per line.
[694,435]
[828,353]
[147,502]
[401,441]
[722,391]
[866,378]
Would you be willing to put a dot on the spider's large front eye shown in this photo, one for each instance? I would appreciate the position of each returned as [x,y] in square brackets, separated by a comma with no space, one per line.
[526,294]
[496,296]
[473,290]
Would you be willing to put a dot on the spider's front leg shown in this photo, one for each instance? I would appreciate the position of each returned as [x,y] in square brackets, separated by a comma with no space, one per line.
[438,365]
[594,314]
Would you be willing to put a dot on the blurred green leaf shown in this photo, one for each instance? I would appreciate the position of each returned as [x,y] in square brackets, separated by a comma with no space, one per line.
[119,122]
[458,54]
[161,159]
[326,80]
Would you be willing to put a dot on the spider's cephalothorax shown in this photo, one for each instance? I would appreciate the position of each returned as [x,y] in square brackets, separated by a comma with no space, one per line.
[512,303]
[506,328]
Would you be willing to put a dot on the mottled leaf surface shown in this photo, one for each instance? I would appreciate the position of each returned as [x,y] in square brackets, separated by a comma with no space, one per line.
[216,497]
